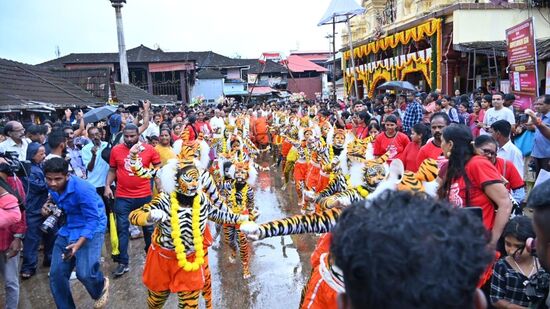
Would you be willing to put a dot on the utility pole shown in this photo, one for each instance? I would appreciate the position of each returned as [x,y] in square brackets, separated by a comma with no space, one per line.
[117,4]
[332,49]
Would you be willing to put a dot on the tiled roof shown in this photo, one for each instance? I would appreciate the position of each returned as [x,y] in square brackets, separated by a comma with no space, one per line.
[209,74]
[130,94]
[314,56]
[299,64]
[22,83]
[144,54]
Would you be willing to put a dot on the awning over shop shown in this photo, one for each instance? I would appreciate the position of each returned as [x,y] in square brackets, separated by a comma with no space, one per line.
[543,48]
[232,92]
[283,94]
[30,106]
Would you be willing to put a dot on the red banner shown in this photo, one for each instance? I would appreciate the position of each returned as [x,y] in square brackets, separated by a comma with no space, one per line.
[522,60]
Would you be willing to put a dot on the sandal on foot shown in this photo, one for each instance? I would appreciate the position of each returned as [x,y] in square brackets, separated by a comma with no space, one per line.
[26,275]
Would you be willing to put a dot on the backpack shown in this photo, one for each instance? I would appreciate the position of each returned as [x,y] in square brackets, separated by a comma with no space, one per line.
[106,152]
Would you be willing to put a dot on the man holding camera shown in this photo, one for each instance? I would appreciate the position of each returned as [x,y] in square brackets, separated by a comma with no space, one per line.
[16,141]
[80,238]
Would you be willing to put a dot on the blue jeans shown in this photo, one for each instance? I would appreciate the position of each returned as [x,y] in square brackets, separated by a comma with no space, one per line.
[9,272]
[32,240]
[88,270]
[122,209]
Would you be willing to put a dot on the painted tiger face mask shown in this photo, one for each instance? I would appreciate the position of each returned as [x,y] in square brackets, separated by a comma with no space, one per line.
[241,172]
[188,181]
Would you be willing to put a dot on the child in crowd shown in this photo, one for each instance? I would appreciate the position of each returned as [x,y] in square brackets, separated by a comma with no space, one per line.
[374,129]
[518,279]
[463,113]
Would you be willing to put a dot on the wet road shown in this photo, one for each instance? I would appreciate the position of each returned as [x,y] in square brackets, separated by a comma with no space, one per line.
[279,267]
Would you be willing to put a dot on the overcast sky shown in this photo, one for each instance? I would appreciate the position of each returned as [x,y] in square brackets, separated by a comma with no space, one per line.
[30,30]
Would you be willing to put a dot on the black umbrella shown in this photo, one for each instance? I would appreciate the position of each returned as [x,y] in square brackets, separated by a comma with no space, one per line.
[99,113]
[397,85]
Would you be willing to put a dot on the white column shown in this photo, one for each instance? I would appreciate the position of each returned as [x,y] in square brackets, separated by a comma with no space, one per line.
[121,46]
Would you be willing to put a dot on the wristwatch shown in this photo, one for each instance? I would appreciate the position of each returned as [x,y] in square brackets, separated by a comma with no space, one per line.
[20,236]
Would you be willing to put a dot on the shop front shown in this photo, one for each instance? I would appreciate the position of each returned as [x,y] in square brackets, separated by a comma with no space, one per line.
[413,55]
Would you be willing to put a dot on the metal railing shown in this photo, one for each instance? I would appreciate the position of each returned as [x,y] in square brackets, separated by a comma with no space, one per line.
[167,88]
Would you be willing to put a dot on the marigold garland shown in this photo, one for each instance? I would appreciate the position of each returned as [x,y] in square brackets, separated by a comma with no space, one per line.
[197,234]
[362,191]
[233,198]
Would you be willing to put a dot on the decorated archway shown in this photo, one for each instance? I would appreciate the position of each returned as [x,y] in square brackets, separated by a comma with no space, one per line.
[379,77]
[426,62]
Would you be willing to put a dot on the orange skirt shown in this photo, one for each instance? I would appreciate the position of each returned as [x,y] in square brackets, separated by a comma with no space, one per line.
[162,272]
[300,171]
[323,182]
[312,180]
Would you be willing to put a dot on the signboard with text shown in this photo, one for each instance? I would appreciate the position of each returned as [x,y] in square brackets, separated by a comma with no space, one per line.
[522,61]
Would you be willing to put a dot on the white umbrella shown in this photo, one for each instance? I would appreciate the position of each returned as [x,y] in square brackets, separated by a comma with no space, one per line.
[339,11]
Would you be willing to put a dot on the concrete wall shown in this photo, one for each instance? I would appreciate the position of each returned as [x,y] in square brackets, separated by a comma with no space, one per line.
[467,24]
[308,85]
[211,89]
[234,88]
[233,73]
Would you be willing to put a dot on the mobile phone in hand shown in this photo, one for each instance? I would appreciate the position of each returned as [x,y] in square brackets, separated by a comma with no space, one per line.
[66,255]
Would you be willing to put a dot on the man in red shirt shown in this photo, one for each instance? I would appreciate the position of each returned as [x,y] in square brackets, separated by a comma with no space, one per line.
[391,141]
[432,149]
[203,126]
[132,191]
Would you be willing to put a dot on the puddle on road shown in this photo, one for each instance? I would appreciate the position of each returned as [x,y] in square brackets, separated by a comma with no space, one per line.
[278,270]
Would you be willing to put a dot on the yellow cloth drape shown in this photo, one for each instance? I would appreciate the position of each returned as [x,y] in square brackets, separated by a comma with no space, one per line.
[417,33]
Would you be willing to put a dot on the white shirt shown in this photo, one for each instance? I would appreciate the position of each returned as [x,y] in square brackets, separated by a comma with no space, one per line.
[215,123]
[152,130]
[51,155]
[492,115]
[10,145]
[511,152]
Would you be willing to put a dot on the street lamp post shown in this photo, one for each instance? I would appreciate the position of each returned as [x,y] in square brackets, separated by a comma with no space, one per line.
[332,48]
[117,4]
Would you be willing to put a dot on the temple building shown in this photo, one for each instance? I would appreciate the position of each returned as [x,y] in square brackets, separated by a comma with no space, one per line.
[437,44]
